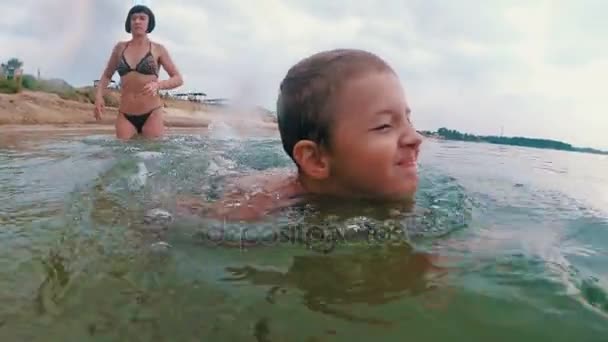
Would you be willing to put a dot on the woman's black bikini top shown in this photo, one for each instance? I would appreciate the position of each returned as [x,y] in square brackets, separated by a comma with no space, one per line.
[146,66]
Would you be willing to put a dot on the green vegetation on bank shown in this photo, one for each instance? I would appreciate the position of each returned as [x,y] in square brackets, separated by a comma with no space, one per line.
[451,134]
[13,83]
[53,86]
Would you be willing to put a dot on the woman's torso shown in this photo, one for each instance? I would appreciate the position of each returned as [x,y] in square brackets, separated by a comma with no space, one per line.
[137,67]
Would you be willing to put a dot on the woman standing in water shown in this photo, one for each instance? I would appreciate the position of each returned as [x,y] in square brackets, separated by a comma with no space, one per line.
[138,62]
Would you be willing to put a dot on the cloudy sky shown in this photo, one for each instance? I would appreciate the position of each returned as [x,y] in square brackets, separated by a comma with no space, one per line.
[537,68]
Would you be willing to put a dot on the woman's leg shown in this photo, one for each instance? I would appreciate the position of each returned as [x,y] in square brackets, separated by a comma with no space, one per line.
[155,125]
[124,129]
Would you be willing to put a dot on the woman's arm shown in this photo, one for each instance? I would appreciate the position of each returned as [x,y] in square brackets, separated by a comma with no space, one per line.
[175,78]
[106,75]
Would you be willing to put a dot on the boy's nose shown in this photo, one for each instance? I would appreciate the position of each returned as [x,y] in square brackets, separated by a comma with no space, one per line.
[410,137]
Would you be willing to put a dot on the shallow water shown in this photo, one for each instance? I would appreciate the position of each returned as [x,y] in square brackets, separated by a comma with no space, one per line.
[505,243]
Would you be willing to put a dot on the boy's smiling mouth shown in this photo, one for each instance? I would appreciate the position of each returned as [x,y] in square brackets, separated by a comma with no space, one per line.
[407,162]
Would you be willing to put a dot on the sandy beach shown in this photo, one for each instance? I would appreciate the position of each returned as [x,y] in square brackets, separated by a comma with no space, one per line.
[30,111]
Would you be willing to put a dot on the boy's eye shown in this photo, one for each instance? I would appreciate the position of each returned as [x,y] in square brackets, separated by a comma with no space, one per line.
[382,127]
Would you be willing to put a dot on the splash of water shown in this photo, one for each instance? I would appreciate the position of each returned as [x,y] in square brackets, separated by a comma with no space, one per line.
[222,131]
[138,180]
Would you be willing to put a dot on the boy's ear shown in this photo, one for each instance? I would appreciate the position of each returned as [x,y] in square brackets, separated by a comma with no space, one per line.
[311,159]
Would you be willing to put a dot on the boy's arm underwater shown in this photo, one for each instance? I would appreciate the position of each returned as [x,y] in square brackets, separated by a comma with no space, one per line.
[229,209]
[249,198]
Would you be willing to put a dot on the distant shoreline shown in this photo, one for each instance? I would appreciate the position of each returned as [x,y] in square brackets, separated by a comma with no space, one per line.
[454,135]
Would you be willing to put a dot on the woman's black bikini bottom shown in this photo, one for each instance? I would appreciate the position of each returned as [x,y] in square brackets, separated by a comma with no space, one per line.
[139,120]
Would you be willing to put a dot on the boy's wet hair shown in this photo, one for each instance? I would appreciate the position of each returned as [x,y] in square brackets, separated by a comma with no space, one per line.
[141,9]
[304,105]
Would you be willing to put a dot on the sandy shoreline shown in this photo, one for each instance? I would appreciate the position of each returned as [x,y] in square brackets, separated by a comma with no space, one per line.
[38,111]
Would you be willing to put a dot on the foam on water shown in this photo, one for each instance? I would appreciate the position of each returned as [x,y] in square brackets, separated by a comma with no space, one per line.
[145,155]
[138,180]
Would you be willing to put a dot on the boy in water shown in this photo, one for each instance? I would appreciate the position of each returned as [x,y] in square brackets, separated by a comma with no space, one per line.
[345,122]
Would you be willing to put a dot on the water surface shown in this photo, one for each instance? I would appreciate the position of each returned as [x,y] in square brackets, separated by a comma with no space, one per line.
[505,243]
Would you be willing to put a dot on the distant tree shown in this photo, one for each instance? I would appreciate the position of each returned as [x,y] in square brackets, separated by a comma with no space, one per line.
[11,66]
[452,134]
[15,63]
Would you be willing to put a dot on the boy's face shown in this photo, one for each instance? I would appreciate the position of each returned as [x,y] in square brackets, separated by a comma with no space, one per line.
[374,146]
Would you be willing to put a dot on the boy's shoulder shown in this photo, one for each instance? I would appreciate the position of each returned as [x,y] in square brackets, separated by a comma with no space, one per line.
[252,196]
[260,179]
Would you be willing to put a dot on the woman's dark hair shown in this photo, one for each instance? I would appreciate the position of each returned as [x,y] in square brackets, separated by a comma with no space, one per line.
[140,9]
